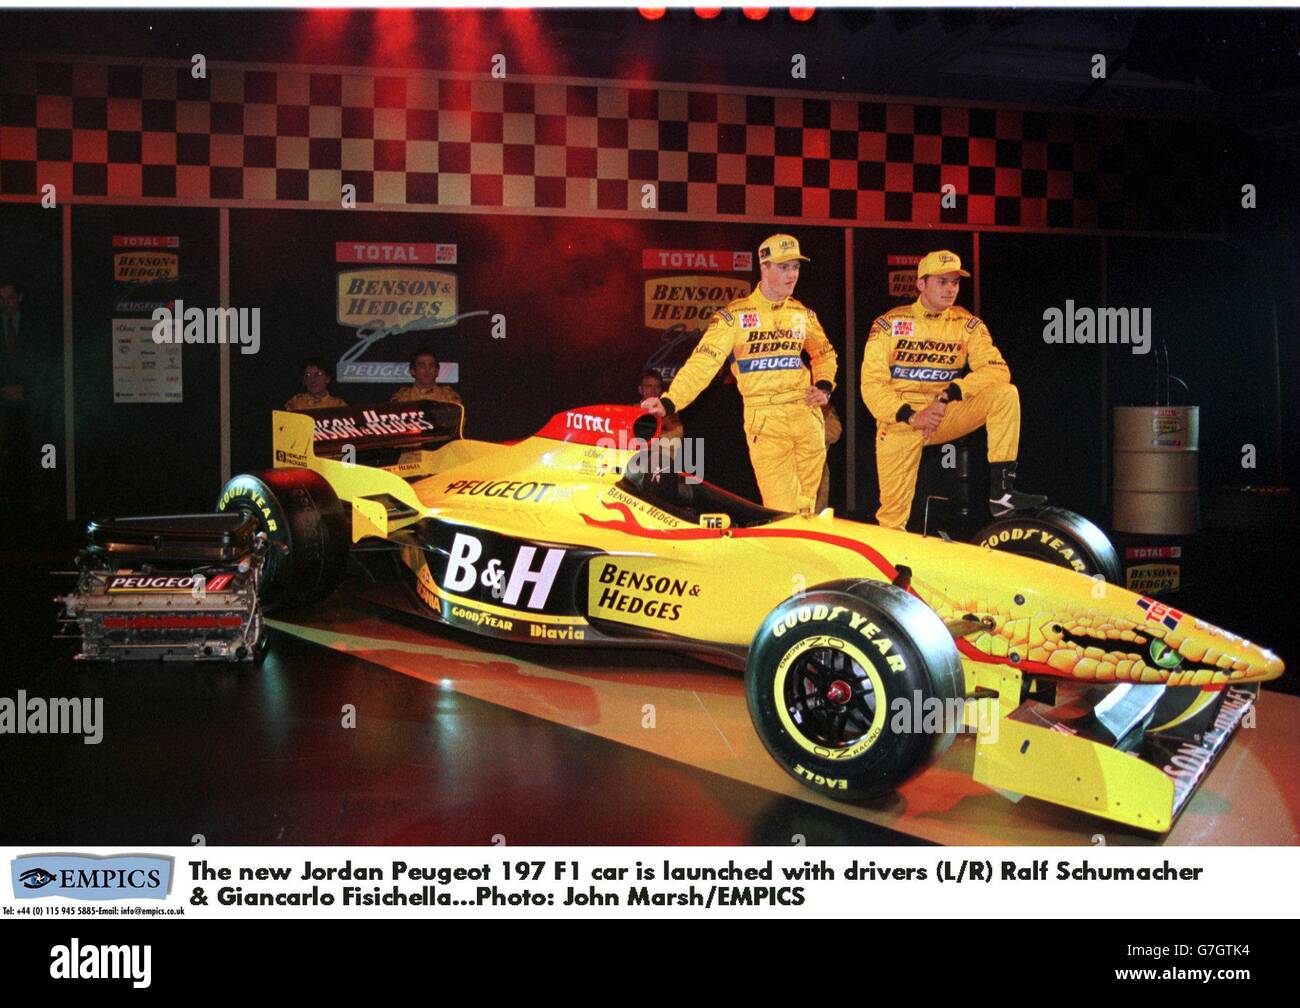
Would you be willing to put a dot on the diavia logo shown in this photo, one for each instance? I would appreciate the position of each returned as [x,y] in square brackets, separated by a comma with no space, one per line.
[88,877]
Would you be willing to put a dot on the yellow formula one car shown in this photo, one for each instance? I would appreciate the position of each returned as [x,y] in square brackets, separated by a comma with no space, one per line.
[865,649]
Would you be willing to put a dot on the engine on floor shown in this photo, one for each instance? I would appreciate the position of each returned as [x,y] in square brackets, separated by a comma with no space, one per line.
[176,587]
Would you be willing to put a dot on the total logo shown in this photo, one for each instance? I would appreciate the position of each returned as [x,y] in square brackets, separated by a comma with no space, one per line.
[465,570]
[588,422]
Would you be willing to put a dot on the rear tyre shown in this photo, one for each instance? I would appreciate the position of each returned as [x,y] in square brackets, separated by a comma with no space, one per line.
[1056,536]
[303,519]
[854,687]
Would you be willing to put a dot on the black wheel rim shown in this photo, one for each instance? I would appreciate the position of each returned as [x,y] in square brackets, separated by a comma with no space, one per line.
[830,698]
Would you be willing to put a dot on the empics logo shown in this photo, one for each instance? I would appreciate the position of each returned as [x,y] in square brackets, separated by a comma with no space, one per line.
[75,961]
[35,878]
[87,877]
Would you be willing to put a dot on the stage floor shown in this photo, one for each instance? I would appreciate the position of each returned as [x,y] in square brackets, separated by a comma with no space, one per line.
[690,712]
[464,740]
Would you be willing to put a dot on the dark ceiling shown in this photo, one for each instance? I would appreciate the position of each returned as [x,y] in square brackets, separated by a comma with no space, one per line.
[1238,65]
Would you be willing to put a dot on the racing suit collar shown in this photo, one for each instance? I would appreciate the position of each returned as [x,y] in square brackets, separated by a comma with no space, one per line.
[919,308]
[763,300]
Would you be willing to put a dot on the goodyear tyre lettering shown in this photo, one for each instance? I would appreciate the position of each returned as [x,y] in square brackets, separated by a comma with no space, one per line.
[823,673]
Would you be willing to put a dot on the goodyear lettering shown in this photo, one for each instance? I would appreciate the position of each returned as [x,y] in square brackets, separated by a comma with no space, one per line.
[479,618]
[256,499]
[1044,536]
[818,612]
[514,489]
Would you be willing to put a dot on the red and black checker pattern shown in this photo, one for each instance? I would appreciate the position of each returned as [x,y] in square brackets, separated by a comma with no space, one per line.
[124,131]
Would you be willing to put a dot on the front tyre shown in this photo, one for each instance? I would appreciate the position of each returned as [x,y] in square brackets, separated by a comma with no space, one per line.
[303,520]
[854,687]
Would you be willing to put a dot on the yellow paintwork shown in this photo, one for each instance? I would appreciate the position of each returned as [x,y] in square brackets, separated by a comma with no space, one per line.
[742,574]
[1076,773]
[716,585]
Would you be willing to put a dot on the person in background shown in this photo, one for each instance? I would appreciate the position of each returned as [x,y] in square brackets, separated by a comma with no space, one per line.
[315,392]
[29,398]
[652,386]
[424,372]
[834,430]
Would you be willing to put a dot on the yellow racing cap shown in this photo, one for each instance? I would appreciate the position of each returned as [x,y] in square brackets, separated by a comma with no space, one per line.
[780,248]
[942,261]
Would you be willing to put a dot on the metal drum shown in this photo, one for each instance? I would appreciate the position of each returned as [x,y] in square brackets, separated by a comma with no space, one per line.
[1156,481]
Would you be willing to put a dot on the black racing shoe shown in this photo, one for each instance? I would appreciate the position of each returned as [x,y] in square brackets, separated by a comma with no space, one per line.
[1003,496]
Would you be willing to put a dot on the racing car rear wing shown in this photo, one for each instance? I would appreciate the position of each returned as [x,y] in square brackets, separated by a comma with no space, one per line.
[403,426]
[331,442]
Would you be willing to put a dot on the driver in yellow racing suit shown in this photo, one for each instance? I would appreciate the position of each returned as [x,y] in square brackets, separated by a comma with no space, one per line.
[767,331]
[910,382]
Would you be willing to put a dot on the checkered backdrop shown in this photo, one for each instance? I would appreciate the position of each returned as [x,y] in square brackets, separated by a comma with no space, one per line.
[295,136]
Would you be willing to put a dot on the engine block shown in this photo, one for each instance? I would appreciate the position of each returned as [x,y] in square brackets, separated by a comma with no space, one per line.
[209,614]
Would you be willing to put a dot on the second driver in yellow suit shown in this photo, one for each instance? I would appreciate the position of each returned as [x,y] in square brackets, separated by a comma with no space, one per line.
[911,383]
[767,331]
